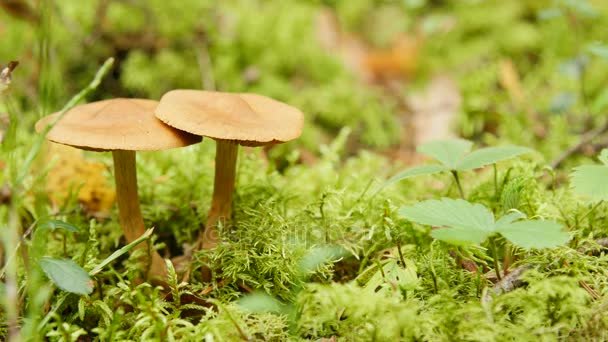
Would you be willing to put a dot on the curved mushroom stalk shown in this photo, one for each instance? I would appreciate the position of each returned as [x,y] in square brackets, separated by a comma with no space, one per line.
[226,153]
[129,212]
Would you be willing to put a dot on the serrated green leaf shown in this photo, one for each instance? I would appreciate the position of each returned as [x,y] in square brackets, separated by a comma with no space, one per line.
[448,152]
[57,225]
[67,275]
[489,155]
[451,213]
[463,222]
[534,234]
[591,181]
[416,171]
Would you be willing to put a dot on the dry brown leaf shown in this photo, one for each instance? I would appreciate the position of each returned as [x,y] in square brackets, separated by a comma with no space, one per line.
[70,171]
[398,62]
[371,65]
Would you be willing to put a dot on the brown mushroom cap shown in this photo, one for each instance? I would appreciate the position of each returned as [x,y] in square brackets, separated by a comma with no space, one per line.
[117,124]
[249,119]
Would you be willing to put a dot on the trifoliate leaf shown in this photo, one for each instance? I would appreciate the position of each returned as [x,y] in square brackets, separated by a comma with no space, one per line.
[67,275]
[591,181]
[454,155]
[489,155]
[448,152]
[534,234]
[463,222]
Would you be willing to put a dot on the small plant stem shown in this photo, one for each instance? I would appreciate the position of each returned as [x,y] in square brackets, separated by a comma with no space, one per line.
[234,322]
[495,180]
[129,212]
[495,257]
[433,272]
[322,212]
[35,149]
[226,153]
[380,268]
[10,239]
[591,210]
[455,174]
[507,262]
[401,255]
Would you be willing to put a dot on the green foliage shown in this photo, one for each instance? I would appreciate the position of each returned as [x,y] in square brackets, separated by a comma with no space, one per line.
[455,155]
[590,180]
[53,225]
[464,222]
[67,275]
[390,279]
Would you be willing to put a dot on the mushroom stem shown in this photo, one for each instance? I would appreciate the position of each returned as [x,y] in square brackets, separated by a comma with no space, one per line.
[129,212]
[226,152]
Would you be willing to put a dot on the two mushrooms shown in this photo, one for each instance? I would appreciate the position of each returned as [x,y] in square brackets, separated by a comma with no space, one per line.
[181,118]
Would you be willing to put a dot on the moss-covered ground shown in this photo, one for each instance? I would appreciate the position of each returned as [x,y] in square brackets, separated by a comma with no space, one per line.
[316,249]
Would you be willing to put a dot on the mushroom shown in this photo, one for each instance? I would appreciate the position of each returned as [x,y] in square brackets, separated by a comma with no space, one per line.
[122,126]
[231,119]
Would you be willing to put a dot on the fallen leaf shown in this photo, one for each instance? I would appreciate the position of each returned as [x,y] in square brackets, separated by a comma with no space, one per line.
[70,171]
[397,62]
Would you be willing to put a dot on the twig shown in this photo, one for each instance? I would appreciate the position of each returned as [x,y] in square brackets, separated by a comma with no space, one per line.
[585,139]
[602,242]
[508,283]
[591,291]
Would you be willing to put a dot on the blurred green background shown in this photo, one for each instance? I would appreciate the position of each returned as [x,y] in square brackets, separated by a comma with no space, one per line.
[536,66]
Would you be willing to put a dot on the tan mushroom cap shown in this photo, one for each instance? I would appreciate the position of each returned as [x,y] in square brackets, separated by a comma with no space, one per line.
[117,124]
[249,119]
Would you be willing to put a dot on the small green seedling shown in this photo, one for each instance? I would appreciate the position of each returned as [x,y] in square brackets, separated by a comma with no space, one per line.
[462,222]
[455,155]
[67,274]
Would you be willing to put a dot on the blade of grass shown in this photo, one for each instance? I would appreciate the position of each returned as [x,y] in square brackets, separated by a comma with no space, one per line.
[105,68]
[121,251]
